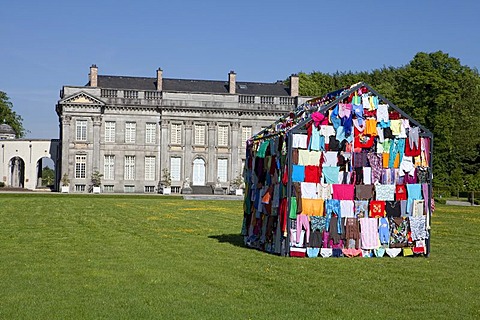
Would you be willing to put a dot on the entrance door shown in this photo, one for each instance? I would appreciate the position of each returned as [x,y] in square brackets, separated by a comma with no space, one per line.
[198,172]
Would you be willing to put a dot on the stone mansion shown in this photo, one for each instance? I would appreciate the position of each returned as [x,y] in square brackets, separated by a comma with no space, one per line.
[132,128]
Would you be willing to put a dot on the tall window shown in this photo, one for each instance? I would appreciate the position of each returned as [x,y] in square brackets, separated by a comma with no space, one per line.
[81,130]
[109,167]
[150,168]
[223,136]
[176,133]
[199,135]
[109,131]
[175,167]
[150,132]
[222,170]
[246,134]
[130,128]
[129,169]
[80,166]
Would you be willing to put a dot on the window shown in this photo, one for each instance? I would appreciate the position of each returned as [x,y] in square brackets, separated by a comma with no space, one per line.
[129,172]
[149,168]
[222,170]
[246,134]
[128,188]
[109,131]
[109,167]
[150,132]
[81,130]
[80,166]
[79,188]
[223,136]
[149,189]
[175,167]
[199,135]
[108,188]
[130,128]
[176,134]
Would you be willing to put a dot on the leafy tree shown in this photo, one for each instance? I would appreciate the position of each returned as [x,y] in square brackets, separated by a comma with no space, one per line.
[10,117]
[48,176]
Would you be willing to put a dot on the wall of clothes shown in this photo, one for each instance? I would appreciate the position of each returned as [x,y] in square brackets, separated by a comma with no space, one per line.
[345,175]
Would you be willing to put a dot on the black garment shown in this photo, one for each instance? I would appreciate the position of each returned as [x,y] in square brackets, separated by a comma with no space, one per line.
[393,208]
[315,240]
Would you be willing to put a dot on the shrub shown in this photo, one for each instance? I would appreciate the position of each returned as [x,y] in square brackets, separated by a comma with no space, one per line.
[2,184]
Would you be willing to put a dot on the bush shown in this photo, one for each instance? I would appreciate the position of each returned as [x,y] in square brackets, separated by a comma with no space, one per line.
[2,184]
[440,201]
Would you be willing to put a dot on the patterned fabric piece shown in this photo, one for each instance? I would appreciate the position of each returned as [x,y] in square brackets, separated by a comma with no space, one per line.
[385,192]
[361,208]
[317,223]
[418,228]
[398,232]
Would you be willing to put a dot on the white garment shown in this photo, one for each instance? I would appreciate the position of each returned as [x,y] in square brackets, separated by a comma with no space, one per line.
[347,209]
[380,136]
[326,252]
[382,113]
[309,158]
[309,190]
[324,191]
[407,165]
[403,132]
[327,130]
[393,252]
[367,175]
[365,102]
[330,159]
[299,141]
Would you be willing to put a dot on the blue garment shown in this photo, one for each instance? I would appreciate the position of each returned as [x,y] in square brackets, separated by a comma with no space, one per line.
[332,206]
[396,146]
[357,109]
[347,123]
[334,119]
[331,174]
[384,231]
[298,173]
[342,135]
[313,252]
[414,192]
[317,141]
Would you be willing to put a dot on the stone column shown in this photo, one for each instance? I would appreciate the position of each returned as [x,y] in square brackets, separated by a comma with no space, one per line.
[66,120]
[164,145]
[187,151]
[234,151]
[97,124]
[212,151]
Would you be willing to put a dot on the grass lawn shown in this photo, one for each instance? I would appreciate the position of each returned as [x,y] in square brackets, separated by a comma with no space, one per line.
[157,257]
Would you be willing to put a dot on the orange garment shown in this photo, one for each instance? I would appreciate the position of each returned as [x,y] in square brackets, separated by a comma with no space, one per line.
[313,207]
[386,157]
[371,127]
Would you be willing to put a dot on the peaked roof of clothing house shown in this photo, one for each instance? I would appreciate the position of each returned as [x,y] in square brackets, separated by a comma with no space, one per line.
[199,86]
[302,114]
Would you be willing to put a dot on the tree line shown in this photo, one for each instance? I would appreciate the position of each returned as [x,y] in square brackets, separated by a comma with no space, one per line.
[437,91]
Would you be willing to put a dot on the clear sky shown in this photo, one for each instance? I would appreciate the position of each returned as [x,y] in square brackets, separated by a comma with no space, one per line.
[48,44]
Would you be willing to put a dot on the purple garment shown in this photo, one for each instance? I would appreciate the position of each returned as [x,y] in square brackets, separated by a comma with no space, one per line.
[425,196]
[375,160]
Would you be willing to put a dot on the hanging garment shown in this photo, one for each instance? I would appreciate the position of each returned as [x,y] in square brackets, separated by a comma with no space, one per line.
[299,141]
[347,208]
[367,175]
[309,158]
[298,173]
[364,192]
[324,191]
[393,209]
[385,192]
[383,231]
[361,208]
[343,191]
[398,232]
[317,223]
[352,232]
[369,233]
[330,174]
[418,228]
[414,192]
[377,209]
[312,207]
[397,147]
[375,160]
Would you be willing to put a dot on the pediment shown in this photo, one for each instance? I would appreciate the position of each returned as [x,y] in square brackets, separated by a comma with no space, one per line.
[82,98]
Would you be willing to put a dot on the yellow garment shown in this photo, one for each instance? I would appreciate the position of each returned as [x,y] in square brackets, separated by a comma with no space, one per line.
[309,158]
[312,207]
[396,126]
[370,127]
[386,158]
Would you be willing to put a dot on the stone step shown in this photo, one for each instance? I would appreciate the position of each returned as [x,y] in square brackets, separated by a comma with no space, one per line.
[202,190]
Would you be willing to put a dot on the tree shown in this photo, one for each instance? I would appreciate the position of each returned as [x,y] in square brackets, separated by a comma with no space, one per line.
[10,117]
[48,176]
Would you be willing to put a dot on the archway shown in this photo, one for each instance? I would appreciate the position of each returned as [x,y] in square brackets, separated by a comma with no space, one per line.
[17,172]
[198,172]
[46,175]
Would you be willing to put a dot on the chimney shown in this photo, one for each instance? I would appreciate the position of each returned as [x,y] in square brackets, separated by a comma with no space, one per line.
[232,79]
[159,79]
[294,85]
[93,76]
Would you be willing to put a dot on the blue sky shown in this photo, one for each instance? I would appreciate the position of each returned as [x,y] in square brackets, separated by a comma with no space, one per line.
[48,44]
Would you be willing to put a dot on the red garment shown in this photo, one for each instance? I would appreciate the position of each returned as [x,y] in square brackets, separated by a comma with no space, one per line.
[312,174]
[400,192]
[377,209]
[362,140]
[394,115]
[415,151]
[343,191]
[282,208]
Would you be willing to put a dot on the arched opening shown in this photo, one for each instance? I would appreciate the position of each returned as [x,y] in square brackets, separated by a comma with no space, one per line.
[17,172]
[45,174]
[198,172]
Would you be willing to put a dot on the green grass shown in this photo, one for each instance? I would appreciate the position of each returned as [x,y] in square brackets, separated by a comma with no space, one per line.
[154,257]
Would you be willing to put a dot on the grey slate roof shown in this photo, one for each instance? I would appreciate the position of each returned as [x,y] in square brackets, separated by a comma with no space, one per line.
[199,86]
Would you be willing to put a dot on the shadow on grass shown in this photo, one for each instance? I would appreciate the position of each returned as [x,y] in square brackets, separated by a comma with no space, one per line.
[233,239]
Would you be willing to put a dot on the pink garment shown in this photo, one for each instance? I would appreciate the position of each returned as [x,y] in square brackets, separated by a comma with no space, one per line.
[369,233]
[319,119]
[352,252]
[343,191]
[344,110]
[302,220]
